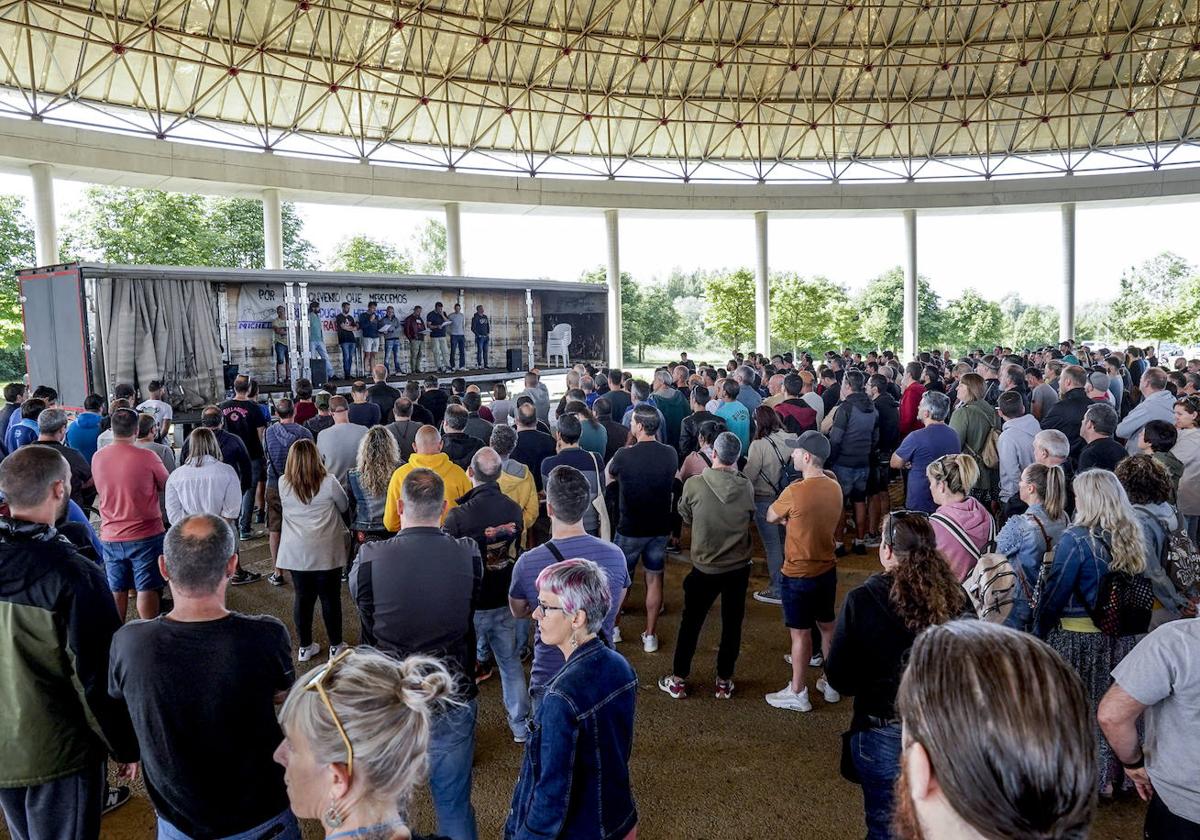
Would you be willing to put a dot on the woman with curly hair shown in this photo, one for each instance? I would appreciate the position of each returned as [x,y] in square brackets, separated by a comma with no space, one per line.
[1105,537]
[378,457]
[879,622]
[1148,485]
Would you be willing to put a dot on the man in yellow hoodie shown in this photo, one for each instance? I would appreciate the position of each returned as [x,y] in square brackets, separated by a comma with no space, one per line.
[427,453]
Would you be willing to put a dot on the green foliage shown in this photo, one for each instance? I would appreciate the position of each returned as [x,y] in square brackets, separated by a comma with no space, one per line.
[152,227]
[1093,321]
[882,306]
[1036,326]
[431,247]
[16,252]
[970,321]
[811,313]
[369,256]
[1147,304]
[689,332]
[730,314]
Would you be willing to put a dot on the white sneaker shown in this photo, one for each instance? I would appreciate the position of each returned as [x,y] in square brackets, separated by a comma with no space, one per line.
[334,650]
[827,691]
[307,653]
[814,661]
[788,699]
[649,643]
[616,634]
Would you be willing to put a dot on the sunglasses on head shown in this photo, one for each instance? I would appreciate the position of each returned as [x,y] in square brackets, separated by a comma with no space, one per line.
[316,682]
[897,516]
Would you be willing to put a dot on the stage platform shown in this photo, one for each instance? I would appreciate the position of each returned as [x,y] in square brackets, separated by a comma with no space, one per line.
[473,376]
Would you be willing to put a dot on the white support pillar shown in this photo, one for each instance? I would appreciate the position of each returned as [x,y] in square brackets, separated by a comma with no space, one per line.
[45,226]
[453,240]
[910,285]
[305,371]
[272,229]
[530,364]
[612,230]
[1066,319]
[762,286]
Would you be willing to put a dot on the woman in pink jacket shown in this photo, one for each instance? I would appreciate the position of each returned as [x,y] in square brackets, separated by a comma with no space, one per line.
[963,526]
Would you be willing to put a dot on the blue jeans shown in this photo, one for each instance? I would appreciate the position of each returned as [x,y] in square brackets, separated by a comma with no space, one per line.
[481,351]
[258,472]
[651,550]
[285,824]
[451,755]
[458,343]
[316,350]
[133,564]
[772,539]
[391,354]
[348,357]
[876,754]
[498,630]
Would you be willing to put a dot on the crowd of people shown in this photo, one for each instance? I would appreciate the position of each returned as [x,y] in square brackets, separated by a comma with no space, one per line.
[1027,646]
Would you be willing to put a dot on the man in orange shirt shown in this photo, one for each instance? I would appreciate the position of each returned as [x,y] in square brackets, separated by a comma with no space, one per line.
[811,509]
[128,480]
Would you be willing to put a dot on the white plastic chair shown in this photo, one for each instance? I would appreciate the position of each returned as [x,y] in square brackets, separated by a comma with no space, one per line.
[557,343]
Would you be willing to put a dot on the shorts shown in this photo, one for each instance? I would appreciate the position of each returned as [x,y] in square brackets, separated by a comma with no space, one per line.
[133,564]
[370,345]
[880,475]
[652,550]
[808,600]
[281,353]
[258,469]
[853,481]
[274,510]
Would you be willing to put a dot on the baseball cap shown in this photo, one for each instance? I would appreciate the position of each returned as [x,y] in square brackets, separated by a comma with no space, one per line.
[816,444]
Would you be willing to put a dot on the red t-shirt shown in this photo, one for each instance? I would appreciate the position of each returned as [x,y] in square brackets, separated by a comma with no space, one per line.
[128,480]
[305,410]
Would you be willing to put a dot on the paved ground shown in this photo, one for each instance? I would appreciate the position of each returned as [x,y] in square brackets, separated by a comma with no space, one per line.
[702,768]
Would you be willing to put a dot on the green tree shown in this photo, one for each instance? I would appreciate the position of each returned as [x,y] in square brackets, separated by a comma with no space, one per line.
[1093,322]
[647,317]
[240,241]
[882,306]
[431,247]
[1147,303]
[1036,326]
[970,321]
[810,313]
[689,331]
[730,313]
[685,284]
[16,252]
[369,256]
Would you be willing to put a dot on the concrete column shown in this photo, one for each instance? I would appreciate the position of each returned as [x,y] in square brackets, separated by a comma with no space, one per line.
[1066,319]
[910,285]
[272,229]
[611,225]
[453,241]
[45,226]
[762,286]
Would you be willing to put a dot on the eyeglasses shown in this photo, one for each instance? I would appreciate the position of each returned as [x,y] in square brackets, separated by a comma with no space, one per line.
[317,681]
[546,608]
[896,516]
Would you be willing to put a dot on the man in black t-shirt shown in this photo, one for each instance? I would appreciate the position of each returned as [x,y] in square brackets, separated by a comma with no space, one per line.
[362,412]
[381,393]
[645,474]
[346,325]
[533,446]
[244,419]
[434,400]
[201,685]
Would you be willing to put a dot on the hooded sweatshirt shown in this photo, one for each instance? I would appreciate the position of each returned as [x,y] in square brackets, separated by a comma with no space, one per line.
[1157,521]
[1016,452]
[719,505]
[855,432]
[973,518]
[457,483]
[83,434]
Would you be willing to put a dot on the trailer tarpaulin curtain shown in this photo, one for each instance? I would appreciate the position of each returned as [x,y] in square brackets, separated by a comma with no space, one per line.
[162,329]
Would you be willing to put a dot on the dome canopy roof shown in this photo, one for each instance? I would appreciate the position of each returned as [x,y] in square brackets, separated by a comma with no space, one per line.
[695,90]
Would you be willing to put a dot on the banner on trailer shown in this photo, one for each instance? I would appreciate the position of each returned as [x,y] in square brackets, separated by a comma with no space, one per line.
[256,303]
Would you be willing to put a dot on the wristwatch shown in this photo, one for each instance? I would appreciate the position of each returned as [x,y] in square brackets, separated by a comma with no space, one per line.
[1135,765]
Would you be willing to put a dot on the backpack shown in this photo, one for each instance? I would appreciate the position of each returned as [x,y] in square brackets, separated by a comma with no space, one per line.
[989,453]
[1124,602]
[787,470]
[1047,562]
[992,581]
[1181,561]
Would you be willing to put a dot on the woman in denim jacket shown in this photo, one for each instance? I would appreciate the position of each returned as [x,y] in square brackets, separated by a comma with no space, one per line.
[574,781]
[1105,536]
[1025,539]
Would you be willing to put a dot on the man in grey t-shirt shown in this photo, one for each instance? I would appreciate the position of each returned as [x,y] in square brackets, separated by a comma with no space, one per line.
[1043,396]
[1161,679]
[338,444]
[458,338]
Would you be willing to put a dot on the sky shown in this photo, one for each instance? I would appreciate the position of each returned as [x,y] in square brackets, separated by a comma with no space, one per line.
[993,252]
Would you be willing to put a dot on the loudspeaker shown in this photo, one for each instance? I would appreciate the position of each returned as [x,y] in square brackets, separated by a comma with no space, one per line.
[231,373]
[515,360]
[320,375]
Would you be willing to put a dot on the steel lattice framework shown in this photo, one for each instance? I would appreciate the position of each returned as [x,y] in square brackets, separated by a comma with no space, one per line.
[695,90]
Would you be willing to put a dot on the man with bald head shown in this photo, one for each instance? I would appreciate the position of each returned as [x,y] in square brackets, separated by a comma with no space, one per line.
[494,521]
[775,387]
[381,393]
[427,454]
[219,779]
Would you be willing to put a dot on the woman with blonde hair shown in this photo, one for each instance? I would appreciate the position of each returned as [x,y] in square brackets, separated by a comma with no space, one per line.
[1105,537]
[312,544]
[963,526]
[974,419]
[1025,539]
[378,457]
[355,740]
